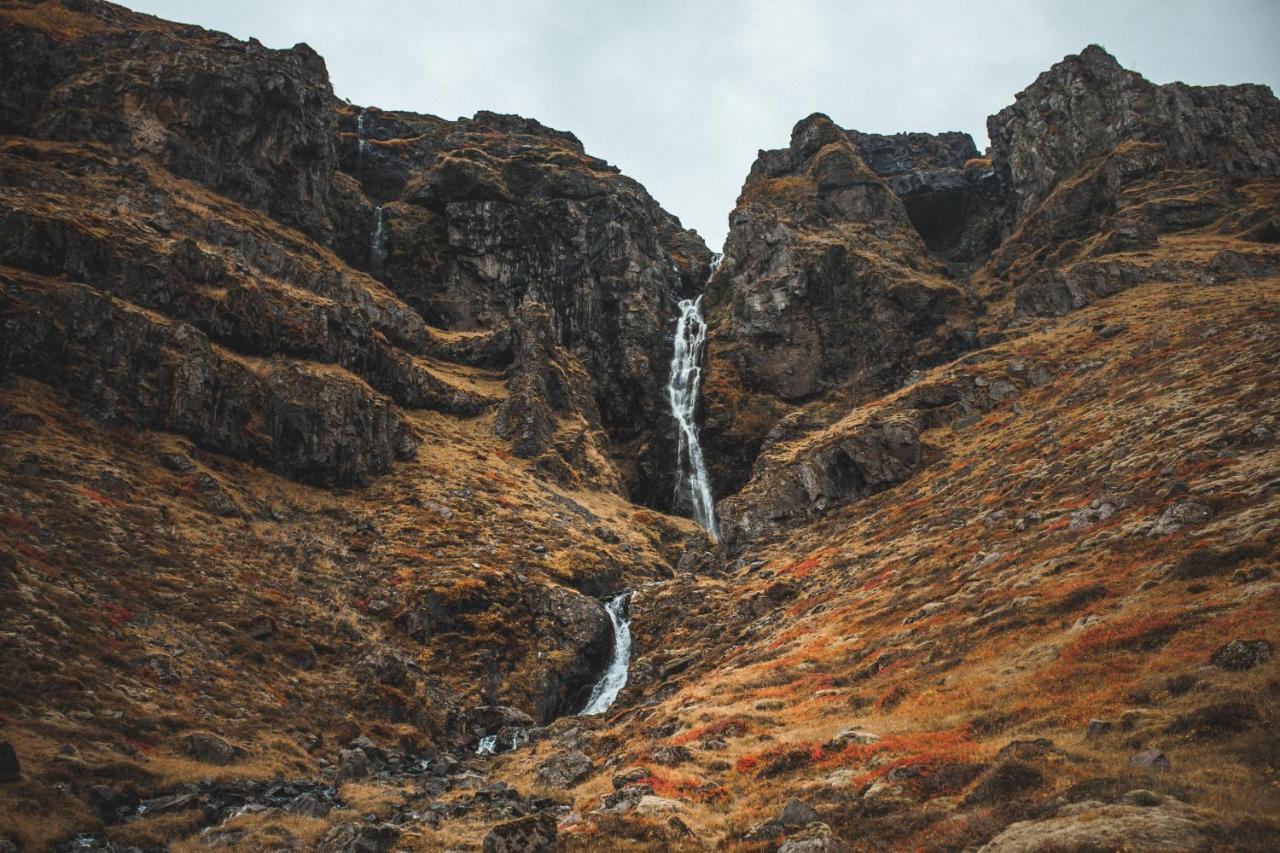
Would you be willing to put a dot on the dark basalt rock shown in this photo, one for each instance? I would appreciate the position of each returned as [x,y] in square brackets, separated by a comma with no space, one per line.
[550,413]
[531,834]
[485,214]
[244,120]
[477,215]
[126,363]
[825,284]
[1087,105]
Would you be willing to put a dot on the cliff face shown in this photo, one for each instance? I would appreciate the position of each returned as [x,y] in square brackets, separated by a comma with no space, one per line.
[456,222]
[855,259]
[481,215]
[323,431]
[826,286]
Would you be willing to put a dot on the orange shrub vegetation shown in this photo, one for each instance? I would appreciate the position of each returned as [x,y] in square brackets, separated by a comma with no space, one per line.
[731,726]
[925,747]
[1123,635]
[676,785]
[802,568]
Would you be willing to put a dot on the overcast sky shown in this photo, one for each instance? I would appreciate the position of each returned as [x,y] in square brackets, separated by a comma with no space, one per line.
[680,94]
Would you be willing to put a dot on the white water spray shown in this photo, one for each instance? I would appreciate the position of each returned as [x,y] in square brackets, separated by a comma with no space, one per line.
[615,675]
[693,485]
[360,134]
[378,245]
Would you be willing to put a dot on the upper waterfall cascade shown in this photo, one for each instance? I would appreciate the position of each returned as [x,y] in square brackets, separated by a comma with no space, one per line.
[693,485]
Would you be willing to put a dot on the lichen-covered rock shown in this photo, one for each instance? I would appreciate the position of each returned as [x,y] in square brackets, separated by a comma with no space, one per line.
[550,413]
[825,284]
[487,213]
[244,120]
[1095,826]
[1087,105]
[534,833]
[130,364]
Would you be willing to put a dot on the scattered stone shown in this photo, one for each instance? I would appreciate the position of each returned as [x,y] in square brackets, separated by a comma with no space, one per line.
[630,777]
[564,770]
[10,768]
[209,748]
[626,798]
[671,756]
[1150,759]
[353,764]
[1097,728]
[796,814]
[1098,511]
[308,805]
[815,838]
[357,838]
[489,719]
[534,833]
[1241,655]
[652,805]
[1180,515]
[766,831]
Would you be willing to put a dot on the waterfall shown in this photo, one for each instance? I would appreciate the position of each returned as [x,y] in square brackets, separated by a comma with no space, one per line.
[693,485]
[615,675]
[378,245]
[360,134]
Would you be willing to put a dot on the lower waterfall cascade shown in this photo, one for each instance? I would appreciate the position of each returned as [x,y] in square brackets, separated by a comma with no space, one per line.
[614,678]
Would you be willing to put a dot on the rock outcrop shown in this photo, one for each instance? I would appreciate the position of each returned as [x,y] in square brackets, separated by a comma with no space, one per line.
[485,213]
[224,176]
[854,259]
[826,285]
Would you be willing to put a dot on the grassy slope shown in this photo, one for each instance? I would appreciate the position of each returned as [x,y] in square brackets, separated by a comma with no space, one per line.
[963,609]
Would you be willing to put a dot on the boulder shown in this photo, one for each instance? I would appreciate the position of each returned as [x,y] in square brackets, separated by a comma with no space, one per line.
[815,838]
[360,838]
[1241,655]
[564,770]
[796,814]
[534,833]
[1091,825]
[653,805]
[209,748]
[671,756]
[1150,759]
[353,764]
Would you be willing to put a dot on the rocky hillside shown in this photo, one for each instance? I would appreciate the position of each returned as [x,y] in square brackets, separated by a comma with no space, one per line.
[326,430]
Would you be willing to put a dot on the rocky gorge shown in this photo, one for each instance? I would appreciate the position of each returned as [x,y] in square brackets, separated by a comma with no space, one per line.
[345,456]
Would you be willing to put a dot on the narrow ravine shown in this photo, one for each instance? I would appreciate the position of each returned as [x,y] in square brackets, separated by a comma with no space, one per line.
[693,485]
[614,678]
